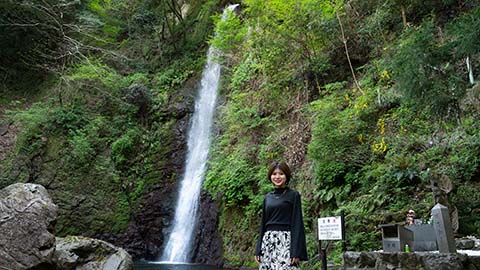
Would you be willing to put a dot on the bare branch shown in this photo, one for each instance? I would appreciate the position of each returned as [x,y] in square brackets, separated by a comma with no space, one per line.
[56,40]
[344,39]
[20,24]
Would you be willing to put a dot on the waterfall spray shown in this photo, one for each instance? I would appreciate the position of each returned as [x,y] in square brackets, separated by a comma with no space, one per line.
[179,243]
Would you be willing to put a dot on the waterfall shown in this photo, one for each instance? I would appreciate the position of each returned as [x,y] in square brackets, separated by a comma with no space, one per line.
[179,243]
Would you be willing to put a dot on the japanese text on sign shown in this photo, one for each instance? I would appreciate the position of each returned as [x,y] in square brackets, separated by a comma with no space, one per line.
[330,228]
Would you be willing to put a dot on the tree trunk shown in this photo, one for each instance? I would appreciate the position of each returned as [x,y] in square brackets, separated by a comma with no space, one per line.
[404,16]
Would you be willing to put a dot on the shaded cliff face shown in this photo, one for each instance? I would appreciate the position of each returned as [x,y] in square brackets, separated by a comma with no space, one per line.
[208,244]
[145,235]
[148,230]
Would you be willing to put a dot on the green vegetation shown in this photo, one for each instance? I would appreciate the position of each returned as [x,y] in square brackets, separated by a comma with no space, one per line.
[372,148]
[372,104]
[96,83]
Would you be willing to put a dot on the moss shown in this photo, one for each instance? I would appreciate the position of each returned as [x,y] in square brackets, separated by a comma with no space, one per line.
[239,237]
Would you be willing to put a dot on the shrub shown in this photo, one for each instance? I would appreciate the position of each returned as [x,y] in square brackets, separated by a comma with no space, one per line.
[123,147]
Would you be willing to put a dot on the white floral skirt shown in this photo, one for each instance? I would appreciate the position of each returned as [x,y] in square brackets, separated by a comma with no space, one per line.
[276,251]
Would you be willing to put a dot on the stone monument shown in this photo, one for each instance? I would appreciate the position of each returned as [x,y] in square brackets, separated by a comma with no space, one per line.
[443,229]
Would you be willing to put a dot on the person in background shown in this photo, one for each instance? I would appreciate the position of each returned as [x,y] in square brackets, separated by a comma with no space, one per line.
[410,217]
[281,242]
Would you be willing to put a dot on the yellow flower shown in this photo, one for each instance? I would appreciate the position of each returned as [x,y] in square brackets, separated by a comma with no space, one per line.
[360,138]
[385,74]
[381,125]
[380,147]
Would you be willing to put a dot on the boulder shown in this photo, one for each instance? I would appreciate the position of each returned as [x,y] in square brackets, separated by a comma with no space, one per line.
[464,243]
[82,253]
[476,242]
[27,216]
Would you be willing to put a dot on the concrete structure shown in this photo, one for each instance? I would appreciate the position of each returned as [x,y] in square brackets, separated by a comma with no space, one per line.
[395,237]
[443,229]
[424,238]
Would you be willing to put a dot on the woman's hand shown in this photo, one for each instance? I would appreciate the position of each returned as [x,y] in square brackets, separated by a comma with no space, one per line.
[257,259]
[295,261]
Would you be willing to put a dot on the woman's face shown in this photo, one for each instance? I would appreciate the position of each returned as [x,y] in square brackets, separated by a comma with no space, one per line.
[278,178]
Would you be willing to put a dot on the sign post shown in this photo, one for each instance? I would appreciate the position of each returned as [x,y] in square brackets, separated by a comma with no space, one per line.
[330,228]
[344,240]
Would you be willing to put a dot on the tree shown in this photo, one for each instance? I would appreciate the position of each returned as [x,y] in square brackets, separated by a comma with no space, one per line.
[37,35]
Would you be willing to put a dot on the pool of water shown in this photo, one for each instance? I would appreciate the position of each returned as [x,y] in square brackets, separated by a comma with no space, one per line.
[143,265]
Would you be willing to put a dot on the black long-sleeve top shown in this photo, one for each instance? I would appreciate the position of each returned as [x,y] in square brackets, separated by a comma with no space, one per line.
[282,209]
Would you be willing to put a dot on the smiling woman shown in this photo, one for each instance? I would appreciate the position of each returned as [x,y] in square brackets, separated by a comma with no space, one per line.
[279,174]
[281,243]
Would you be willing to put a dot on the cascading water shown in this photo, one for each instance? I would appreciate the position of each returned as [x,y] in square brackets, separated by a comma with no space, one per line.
[179,242]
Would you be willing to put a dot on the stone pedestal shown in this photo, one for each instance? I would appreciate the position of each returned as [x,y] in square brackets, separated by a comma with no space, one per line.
[443,229]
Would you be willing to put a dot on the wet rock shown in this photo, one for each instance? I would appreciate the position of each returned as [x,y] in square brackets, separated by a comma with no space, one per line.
[180,110]
[208,248]
[82,253]
[27,216]
[144,237]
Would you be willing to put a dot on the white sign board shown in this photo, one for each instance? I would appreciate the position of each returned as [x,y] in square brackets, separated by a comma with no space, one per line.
[330,228]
